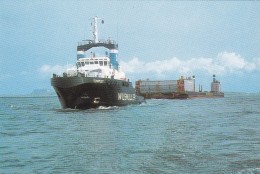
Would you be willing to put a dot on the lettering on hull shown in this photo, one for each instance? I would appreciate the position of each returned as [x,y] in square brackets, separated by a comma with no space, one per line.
[125,96]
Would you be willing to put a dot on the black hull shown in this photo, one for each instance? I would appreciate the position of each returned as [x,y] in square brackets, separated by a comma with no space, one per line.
[88,92]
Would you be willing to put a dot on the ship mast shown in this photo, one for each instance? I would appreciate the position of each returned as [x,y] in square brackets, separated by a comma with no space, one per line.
[87,44]
[95,29]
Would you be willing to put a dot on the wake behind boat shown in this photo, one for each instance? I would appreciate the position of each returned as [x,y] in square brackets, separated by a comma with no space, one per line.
[95,80]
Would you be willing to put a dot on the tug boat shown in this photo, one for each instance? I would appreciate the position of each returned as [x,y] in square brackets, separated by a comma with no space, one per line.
[95,80]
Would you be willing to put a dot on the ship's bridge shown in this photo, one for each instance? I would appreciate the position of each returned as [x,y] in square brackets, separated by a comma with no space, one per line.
[96,67]
[102,61]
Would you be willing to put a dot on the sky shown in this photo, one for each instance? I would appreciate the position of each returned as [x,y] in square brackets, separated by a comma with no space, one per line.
[158,40]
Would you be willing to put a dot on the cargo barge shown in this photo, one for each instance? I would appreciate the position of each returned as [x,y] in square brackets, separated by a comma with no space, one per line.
[182,88]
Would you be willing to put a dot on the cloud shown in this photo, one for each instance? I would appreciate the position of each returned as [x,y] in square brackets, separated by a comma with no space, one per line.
[134,65]
[257,63]
[233,62]
[164,65]
[57,69]
[223,63]
[159,66]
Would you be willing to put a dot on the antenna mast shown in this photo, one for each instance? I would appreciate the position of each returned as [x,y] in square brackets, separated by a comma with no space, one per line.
[95,29]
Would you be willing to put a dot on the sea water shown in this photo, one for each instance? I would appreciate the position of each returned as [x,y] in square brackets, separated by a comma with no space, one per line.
[219,135]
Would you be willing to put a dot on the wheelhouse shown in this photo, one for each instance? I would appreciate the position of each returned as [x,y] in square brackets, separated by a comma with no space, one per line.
[101,61]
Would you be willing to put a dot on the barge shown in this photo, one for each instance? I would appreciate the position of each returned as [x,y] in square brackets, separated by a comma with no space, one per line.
[182,88]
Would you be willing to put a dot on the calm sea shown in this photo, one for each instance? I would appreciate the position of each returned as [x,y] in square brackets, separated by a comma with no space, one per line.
[160,136]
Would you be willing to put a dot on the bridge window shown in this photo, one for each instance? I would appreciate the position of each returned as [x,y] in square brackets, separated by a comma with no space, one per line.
[105,63]
[101,63]
[96,62]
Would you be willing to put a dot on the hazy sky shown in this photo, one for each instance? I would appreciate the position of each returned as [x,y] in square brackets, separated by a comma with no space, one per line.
[157,40]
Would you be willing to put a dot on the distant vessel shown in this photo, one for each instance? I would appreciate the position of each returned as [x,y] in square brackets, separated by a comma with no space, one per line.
[176,89]
[95,80]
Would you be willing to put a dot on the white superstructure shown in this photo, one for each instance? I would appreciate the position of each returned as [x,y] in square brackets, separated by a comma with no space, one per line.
[96,67]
